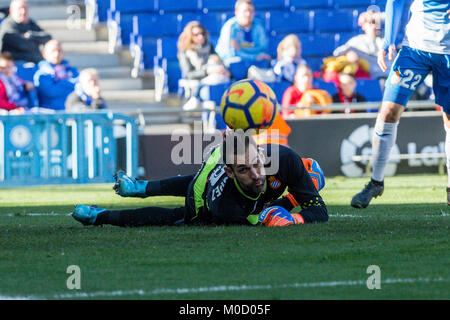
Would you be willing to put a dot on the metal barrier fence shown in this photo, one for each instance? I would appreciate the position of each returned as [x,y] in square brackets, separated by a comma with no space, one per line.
[64,148]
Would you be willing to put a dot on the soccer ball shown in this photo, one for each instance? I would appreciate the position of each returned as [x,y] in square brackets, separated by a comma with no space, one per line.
[249,104]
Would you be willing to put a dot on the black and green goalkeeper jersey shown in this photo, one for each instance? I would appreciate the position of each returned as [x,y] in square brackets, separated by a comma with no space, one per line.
[215,198]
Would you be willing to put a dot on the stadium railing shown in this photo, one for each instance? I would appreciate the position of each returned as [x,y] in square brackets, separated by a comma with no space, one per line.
[65,148]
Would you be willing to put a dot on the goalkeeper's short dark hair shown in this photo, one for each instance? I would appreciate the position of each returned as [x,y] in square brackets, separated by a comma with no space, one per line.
[234,143]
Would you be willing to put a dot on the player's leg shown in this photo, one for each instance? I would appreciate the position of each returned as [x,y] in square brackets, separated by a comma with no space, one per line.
[446,118]
[150,216]
[441,89]
[408,71]
[383,139]
[129,187]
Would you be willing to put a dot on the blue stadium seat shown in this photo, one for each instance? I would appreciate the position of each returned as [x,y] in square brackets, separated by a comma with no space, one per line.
[279,88]
[173,73]
[327,86]
[314,45]
[352,3]
[290,22]
[309,4]
[101,8]
[274,40]
[218,5]
[156,25]
[149,47]
[335,20]
[216,92]
[133,6]
[314,63]
[26,72]
[212,21]
[125,23]
[269,4]
[179,6]
[370,89]
[167,48]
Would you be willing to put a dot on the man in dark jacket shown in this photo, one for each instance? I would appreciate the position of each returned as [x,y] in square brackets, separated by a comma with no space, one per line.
[20,35]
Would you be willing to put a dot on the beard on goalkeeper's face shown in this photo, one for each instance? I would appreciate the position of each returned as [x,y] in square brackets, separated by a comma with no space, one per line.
[248,169]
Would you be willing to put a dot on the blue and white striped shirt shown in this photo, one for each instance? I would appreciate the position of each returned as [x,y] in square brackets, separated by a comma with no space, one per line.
[428,28]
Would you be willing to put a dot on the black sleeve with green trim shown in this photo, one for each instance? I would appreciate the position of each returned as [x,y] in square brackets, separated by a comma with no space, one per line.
[302,191]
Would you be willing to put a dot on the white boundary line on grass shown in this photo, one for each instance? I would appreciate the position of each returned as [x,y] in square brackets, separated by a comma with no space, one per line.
[223,288]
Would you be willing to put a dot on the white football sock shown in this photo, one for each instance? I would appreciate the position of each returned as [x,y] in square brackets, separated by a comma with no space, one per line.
[447,152]
[384,136]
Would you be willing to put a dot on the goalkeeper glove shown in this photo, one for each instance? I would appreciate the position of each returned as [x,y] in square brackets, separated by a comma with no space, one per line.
[279,217]
[126,186]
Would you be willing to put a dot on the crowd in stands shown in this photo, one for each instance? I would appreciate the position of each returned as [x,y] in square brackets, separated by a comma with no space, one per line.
[241,52]
[56,84]
[243,45]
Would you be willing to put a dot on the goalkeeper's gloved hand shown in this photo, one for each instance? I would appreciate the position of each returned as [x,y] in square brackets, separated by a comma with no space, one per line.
[279,217]
[126,186]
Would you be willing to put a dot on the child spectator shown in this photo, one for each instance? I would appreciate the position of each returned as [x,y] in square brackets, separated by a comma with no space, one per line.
[366,45]
[243,41]
[15,93]
[55,79]
[349,63]
[20,35]
[199,63]
[346,91]
[303,94]
[87,93]
[289,57]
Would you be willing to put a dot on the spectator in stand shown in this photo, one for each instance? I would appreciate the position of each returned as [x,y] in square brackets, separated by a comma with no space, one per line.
[199,63]
[243,41]
[303,94]
[365,46]
[20,35]
[55,79]
[346,91]
[289,57]
[15,93]
[87,93]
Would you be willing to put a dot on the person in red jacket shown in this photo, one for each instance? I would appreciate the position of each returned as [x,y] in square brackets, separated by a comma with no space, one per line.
[13,90]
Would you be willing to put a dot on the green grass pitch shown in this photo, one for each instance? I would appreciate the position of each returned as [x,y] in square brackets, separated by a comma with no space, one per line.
[405,233]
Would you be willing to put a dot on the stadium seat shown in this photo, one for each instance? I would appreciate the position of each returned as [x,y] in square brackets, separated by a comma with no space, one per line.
[133,6]
[317,45]
[173,75]
[167,48]
[308,4]
[269,4]
[335,20]
[279,88]
[274,40]
[216,92]
[100,9]
[218,5]
[370,89]
[327,86]
[212,21]
[26,72]
[148,47]
[283,22]
[156,25]
[314,63]
[352,3]
[178,6]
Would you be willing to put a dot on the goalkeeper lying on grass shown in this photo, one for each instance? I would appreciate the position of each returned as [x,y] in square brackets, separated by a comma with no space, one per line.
[237,191]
